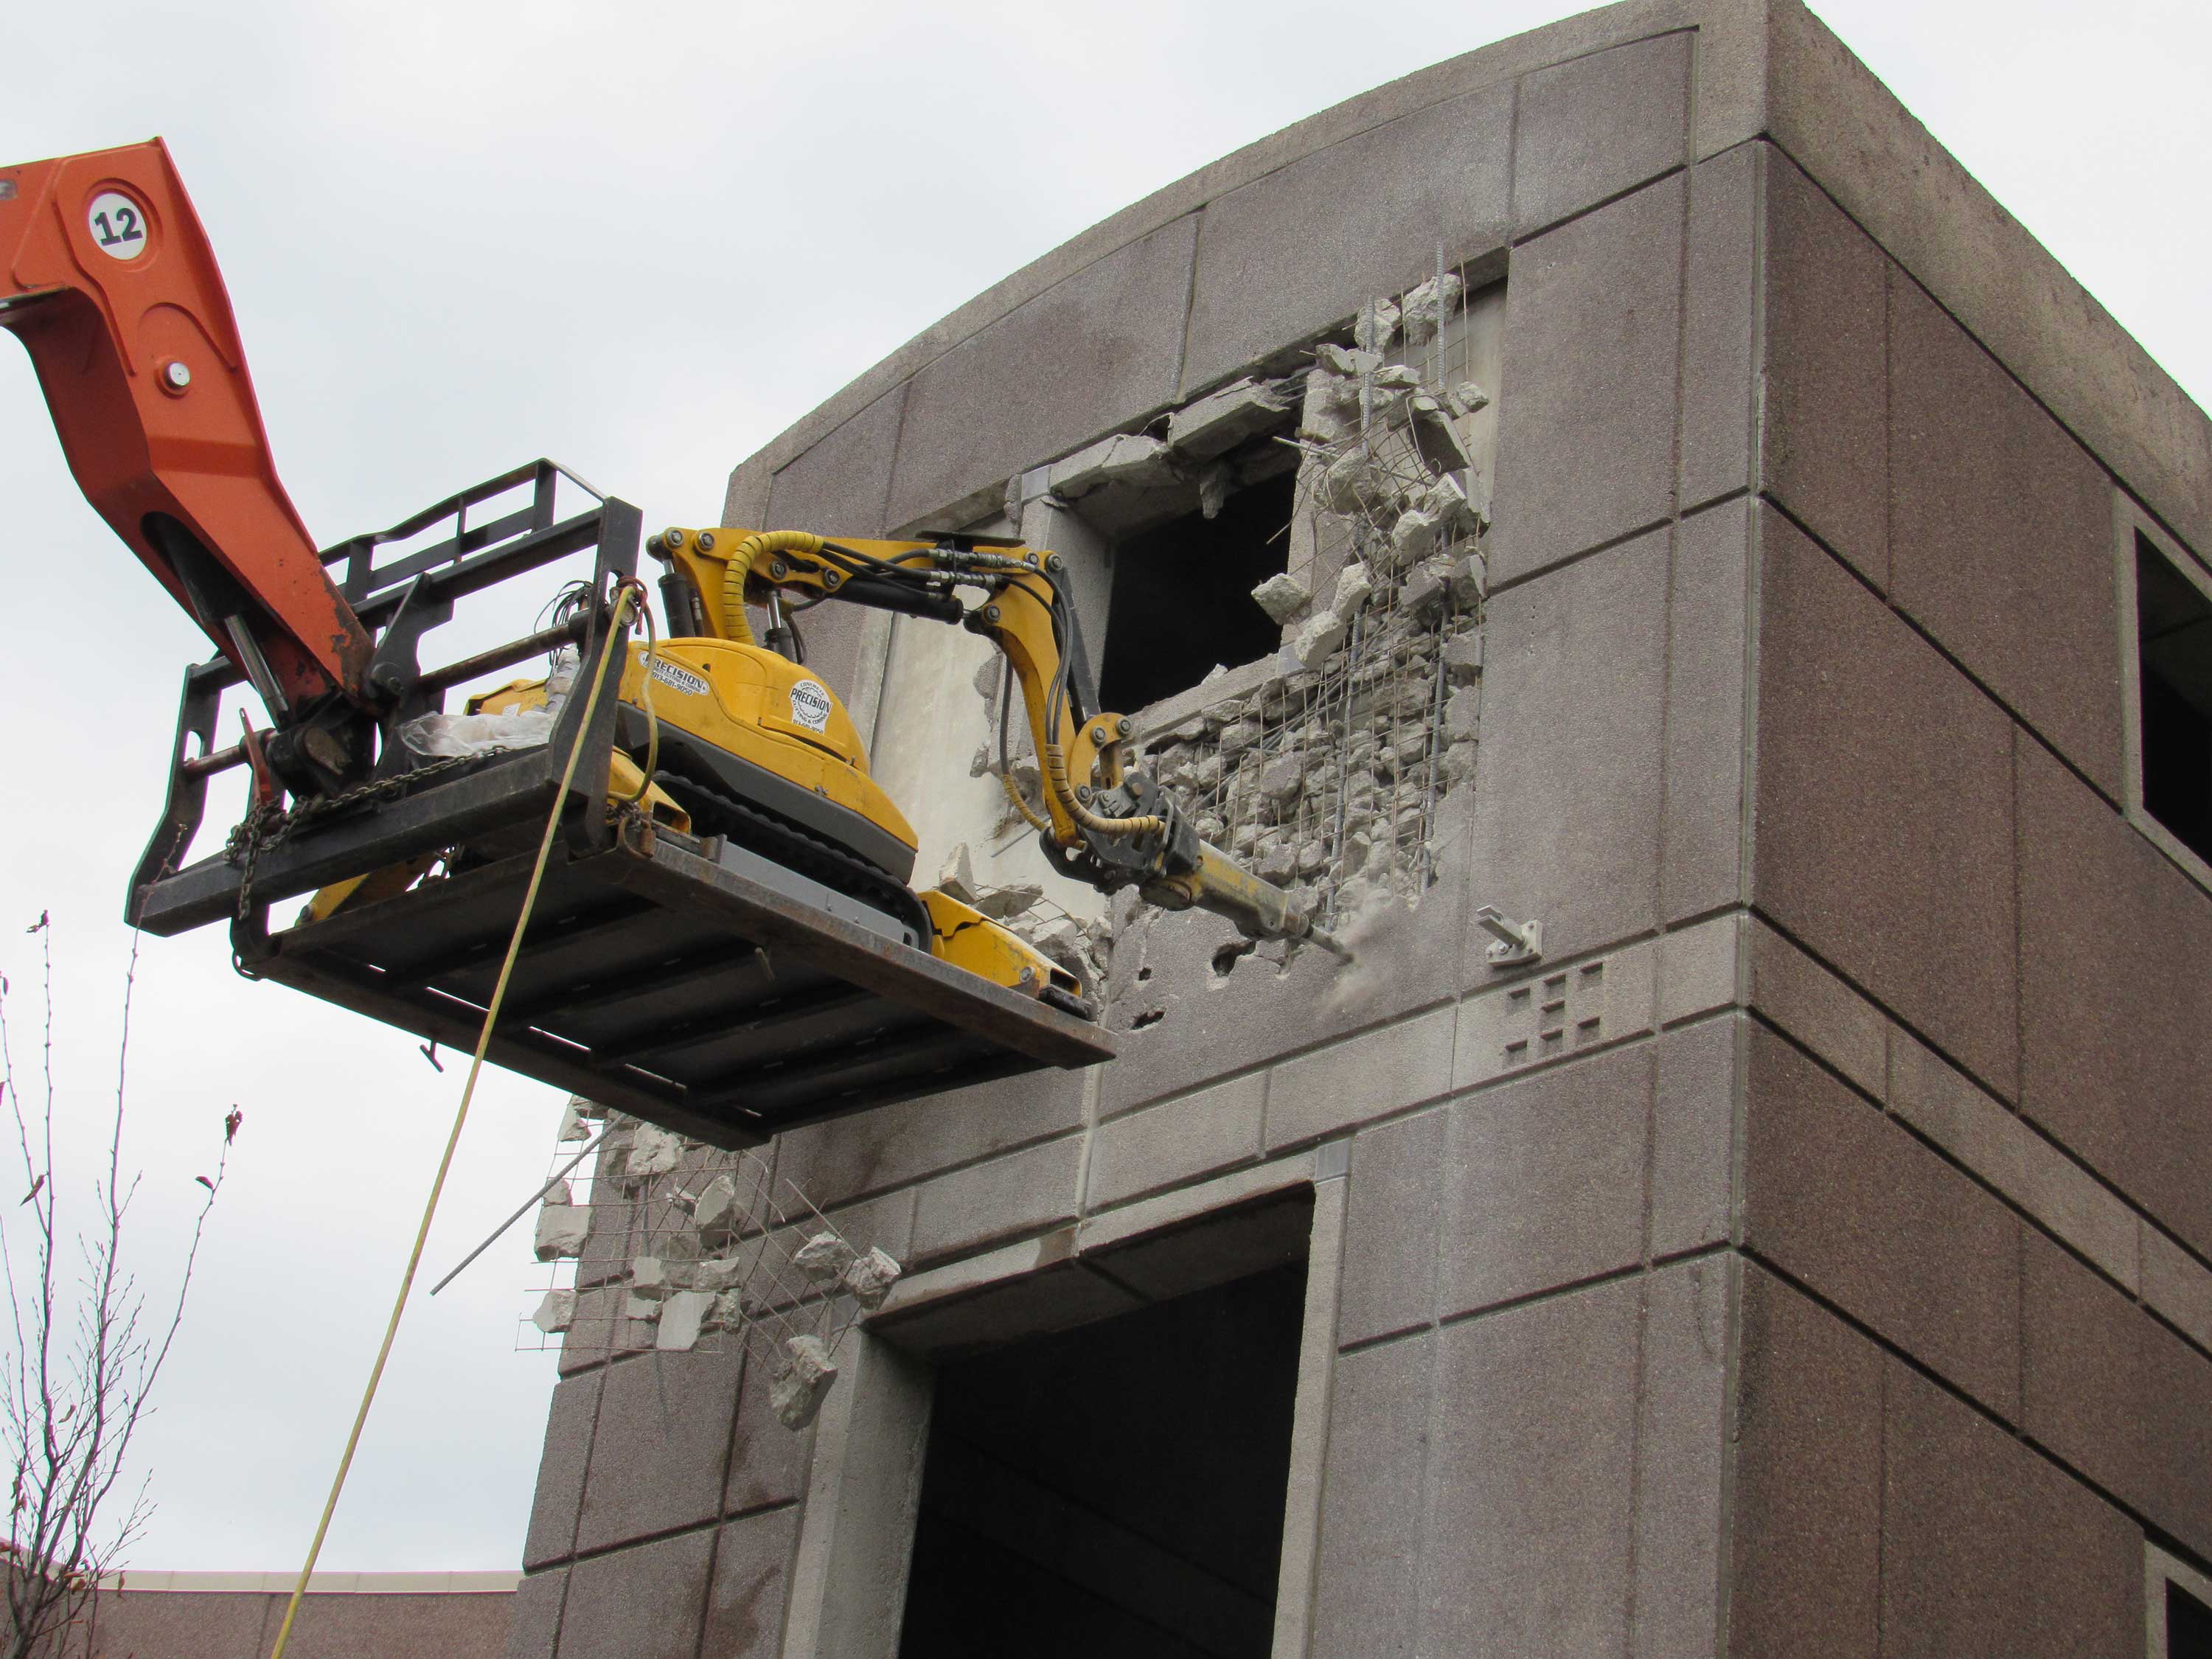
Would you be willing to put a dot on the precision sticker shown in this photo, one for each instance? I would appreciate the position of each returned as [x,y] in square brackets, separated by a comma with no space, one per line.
[117,225]
[810,706]
[678,679]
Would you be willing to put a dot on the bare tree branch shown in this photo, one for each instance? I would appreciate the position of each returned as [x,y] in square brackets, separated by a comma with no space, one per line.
[80,1370]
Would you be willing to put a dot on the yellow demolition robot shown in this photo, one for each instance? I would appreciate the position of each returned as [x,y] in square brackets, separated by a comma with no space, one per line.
[754,747]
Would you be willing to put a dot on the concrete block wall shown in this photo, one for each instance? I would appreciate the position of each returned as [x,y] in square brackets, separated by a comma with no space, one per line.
[1811,1253]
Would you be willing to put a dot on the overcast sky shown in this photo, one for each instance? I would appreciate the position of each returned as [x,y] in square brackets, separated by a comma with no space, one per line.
[642,241]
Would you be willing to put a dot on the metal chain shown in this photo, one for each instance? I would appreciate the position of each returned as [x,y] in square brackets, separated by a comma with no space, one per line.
[267,825]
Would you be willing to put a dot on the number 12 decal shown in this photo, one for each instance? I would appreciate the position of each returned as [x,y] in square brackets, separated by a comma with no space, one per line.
[117,225]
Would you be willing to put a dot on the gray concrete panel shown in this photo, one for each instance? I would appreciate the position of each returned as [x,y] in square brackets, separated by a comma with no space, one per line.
[1390,1228]
[893,1145]
[1693,1136]
[1024,1192]
[1543,1181]
[1720,343]
[1708,621]
[2116,1396]
[1199,1025]
[1565,825]
[1586,435]
[658,1457]
[1300,250]
[767,1461]
[1594,127]
[533,1626]
[1192,1135]
[1531,1489]
[2001,536]
[1990,1553]
[560,1493]
[1823,447]
[1368,1579]
[640,1603]
[1828,110]
[2116,1018]
[1806,1560]
[839,485]
[1094,351]
[1882,848]
[1848,1203]
[746,1596]
[1680,1452]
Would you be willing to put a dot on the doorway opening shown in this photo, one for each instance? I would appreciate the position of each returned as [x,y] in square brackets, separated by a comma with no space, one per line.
[1115,1491]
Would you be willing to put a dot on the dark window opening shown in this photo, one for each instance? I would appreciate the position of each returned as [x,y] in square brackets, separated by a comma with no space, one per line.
[2188,1625]
[1115,1491]
[2173,636]
[1182,598]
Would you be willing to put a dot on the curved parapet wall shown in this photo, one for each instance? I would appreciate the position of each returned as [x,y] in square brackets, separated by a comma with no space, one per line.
[1189,286]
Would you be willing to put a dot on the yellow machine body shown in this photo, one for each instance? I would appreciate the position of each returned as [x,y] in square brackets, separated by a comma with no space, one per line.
[967,939]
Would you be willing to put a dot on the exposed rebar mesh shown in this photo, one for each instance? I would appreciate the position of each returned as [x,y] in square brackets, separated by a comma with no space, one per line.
[676,1246]
[1330,770]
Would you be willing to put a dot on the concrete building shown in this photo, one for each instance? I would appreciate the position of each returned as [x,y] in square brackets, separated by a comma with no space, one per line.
[1807,1252]
[344,1615]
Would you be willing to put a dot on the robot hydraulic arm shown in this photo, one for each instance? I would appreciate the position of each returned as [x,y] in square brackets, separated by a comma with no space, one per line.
[1101,820]
[108,280]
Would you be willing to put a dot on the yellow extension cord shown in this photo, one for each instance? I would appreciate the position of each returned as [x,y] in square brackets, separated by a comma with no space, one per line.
[622,607]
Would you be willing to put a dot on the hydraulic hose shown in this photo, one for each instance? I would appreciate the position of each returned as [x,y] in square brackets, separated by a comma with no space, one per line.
[762,543]
[1055,772]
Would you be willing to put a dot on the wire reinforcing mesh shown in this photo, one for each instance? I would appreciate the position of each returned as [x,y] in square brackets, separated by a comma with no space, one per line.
[660,1244]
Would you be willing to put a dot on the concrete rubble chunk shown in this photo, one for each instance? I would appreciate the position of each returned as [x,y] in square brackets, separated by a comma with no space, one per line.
[802,1381]
[637,1307]
[1463,659]
[1464,713]
[1397,377]
[986,678]
[653,1277]
[682,1317]
[1470,398]
[1060,942]
[1282,597]
[823,1258]
[1413,538]
[716,1211]
[956,878]
[727,1312]
[1445,500]
[561,1229]
[1011,899]
[1239,736]
[1127,457]
[1222,420]
[1376,326]
[1316,639]
[1430,306]
[1213,487]
[1424,587]
[1352,364]
[1282,779]
[1354,587]
[575,1119]
[719,1272]
[556,1313]
[652,1151]
[1469,580]
[1278,864]
[871,1277]
[1439,436]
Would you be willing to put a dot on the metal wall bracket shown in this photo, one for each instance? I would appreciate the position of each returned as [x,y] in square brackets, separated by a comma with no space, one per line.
[1516,942]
